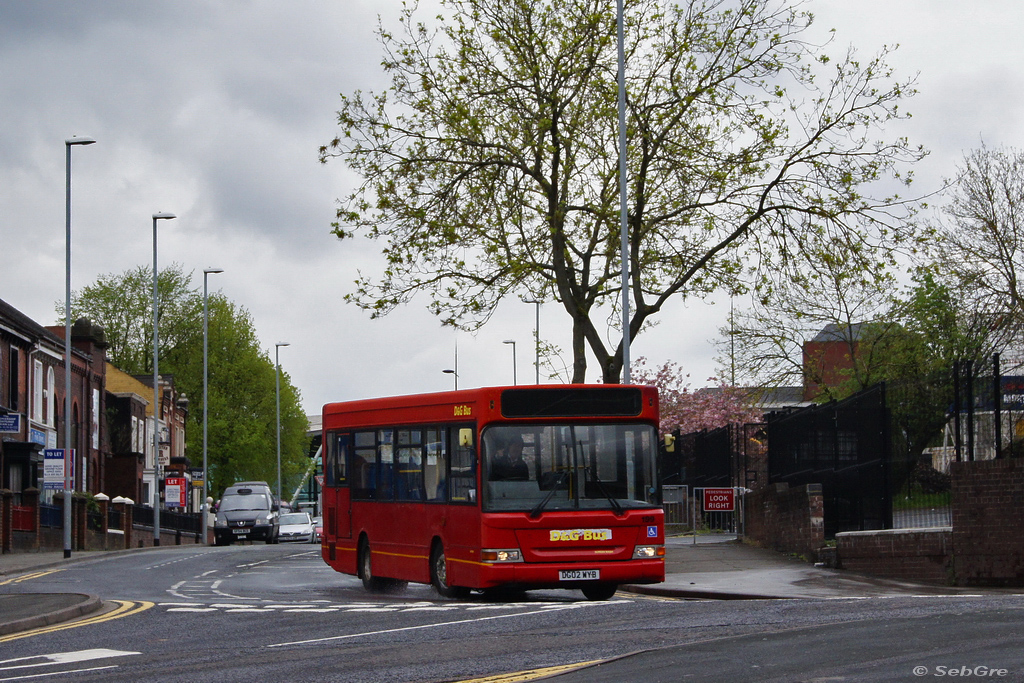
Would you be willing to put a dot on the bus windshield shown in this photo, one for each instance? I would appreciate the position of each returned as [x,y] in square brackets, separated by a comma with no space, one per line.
[535,468]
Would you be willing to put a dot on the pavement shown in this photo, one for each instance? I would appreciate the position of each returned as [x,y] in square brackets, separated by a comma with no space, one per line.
[716,567]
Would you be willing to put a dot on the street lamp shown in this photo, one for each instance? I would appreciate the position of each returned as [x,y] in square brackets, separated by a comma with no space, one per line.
[623,193]
[68,144]
[156,390]
[206,472]
[455,372]
[277,380]
[515,379]
[536,339]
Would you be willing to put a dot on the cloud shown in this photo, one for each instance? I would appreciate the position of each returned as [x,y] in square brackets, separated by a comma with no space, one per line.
[214,110]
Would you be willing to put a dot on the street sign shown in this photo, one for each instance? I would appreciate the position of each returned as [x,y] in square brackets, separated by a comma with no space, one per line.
[719,500]
[10,423]
[175,490]
[53,468]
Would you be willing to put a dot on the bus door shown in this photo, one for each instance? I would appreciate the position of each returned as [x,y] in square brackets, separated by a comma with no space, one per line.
[337,498]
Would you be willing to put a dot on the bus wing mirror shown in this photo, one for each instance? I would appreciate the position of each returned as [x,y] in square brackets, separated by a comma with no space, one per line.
[466,437]
[670,443]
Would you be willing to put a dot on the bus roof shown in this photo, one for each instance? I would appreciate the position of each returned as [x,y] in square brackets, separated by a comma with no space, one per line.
[544,401]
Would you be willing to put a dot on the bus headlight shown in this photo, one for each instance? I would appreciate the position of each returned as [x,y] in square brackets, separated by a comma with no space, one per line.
[501,555]
[647,552]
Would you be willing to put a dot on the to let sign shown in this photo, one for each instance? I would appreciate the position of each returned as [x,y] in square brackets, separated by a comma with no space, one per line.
[175,490]
[719,500]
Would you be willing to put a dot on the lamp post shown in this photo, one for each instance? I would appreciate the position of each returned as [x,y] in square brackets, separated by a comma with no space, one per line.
[536,340]
[277,382]
[455,372]
[68,144]
[623,194]
[515,379]
[156,389]
[206,472]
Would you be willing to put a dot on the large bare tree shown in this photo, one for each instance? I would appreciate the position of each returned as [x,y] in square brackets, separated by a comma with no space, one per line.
[488,168]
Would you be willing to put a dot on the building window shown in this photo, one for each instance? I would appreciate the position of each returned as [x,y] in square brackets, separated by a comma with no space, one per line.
[37,391]
[51,395]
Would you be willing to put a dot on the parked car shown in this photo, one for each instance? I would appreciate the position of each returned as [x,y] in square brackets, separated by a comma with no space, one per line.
[297,527]
[247,511]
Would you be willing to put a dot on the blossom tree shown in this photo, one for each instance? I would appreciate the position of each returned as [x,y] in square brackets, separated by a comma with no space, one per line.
[691,411]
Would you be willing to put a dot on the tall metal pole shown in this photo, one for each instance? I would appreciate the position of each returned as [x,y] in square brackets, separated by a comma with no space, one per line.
[156,390]
[536,345]
[623,188]
[206,471]
[957,377]
[970,410]
[515,378]
[997,404]
[277,382]
[67,345]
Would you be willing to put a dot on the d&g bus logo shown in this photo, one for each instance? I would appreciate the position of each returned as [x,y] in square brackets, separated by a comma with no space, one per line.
[581,535]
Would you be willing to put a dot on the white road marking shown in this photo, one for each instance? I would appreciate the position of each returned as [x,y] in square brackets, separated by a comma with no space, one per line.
[59,658]
[348,636]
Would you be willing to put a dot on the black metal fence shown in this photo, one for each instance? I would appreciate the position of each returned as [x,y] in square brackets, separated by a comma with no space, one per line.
[52,516]
[845,447]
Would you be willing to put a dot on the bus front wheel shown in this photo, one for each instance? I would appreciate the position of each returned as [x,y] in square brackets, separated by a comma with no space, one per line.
[439,575]
[600,591]
[370,582]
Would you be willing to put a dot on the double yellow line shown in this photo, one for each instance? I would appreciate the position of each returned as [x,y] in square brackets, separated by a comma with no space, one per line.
[125,608]
[533,674]
[26,577]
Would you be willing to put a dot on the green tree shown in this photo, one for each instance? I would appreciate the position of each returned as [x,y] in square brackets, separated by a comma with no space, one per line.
[490,166]
[242,412]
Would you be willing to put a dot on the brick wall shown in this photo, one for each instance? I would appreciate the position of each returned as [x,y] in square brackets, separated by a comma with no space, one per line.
[909,554]
[787,519]
[988,522]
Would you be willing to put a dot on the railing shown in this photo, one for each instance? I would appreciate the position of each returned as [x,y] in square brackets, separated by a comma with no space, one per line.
[169,520]
[180,521]
[94,521]
[51,516]
[676,504]
[142,515]
[922,510]
[114,519]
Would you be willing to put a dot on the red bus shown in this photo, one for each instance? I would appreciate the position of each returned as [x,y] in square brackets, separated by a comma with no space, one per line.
[547,486]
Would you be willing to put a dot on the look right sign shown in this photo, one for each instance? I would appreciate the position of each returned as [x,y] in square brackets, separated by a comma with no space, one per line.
[719,500]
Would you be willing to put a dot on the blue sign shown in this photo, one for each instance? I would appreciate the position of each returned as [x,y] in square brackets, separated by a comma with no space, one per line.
[10,423]
[37,436]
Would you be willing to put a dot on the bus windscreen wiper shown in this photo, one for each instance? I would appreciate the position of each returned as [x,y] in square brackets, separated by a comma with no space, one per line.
[539,507]
[616,505]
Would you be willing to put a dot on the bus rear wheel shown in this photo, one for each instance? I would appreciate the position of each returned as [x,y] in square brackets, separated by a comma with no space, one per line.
[600,591]
[439,575]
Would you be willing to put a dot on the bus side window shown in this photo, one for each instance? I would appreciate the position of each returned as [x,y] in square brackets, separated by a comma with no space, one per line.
[435,465]
[336,459]
[463,469]
[385,464]
[409,465]
[364,466]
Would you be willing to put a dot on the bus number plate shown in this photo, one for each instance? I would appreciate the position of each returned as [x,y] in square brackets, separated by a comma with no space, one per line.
[579,575]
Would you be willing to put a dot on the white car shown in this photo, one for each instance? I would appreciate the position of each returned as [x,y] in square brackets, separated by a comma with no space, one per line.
[296,527]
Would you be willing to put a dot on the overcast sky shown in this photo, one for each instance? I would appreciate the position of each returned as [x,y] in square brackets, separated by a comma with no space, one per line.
[215,110]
